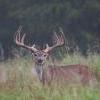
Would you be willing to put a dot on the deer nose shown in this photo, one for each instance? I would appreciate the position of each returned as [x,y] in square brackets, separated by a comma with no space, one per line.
[40,60]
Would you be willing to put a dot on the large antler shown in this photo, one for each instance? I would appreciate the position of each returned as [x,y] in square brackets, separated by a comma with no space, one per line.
[59,41]
[20,41]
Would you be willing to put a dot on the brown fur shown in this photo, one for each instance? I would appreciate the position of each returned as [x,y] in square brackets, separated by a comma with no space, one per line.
[70,73]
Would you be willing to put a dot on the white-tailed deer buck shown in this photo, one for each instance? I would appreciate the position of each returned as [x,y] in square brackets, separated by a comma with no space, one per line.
[47,74]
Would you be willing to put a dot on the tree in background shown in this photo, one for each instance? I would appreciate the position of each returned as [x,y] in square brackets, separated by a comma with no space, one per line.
[80,21]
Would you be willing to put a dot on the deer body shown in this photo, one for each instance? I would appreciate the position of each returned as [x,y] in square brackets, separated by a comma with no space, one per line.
[48,74]
[69,74]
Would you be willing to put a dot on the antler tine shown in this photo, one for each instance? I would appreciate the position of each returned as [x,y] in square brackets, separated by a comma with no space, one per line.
[20,41]
[17,34]
[62,34]
[19,29]
[55,36]
[59,41]
[23,38]
[17,38]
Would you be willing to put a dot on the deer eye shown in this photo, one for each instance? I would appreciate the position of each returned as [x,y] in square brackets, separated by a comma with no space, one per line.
[35,54]
[45,55]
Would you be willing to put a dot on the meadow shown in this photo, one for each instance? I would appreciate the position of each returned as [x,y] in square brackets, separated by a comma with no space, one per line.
[18,83]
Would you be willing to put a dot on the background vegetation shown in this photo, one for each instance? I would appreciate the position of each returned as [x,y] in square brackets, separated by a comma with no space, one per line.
[80,21]
[18,83]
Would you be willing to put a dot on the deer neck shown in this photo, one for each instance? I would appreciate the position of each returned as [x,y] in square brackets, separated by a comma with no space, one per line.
[40,71]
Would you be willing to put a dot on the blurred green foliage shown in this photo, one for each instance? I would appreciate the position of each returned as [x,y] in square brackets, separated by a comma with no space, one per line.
[80,21]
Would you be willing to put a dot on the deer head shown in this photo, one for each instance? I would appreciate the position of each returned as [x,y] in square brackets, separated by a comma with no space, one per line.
[39,56]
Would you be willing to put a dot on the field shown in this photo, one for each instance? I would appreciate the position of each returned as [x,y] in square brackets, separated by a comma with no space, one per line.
[18,83]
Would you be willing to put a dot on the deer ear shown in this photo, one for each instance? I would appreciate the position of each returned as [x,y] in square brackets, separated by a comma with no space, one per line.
[32,53]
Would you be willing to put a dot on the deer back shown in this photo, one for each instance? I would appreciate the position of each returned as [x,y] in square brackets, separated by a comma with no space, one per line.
[69,74]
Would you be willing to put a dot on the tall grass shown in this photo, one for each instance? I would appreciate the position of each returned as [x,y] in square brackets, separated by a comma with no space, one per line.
[18,83]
